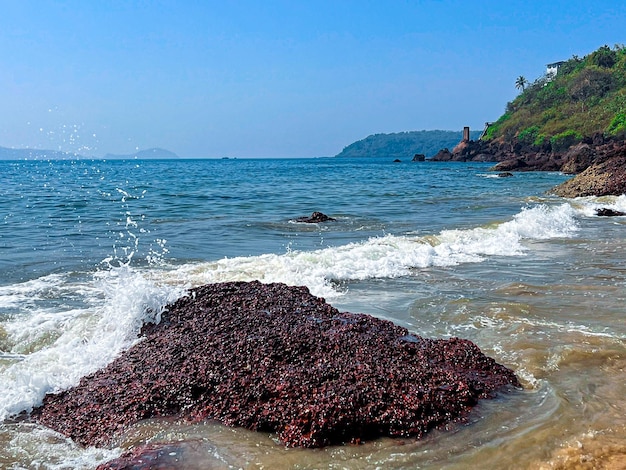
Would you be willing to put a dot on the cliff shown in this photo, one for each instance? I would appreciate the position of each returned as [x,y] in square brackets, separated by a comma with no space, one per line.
[574,122]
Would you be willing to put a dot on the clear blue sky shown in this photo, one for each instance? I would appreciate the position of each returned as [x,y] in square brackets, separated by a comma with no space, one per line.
[273,78]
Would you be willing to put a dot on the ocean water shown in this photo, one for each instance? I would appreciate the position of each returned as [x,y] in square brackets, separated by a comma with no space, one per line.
[91,249]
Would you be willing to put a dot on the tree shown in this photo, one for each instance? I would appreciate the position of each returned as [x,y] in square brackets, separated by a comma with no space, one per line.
[521,83]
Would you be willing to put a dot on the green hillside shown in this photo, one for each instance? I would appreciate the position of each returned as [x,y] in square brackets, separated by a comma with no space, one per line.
[404,144]
[586,96]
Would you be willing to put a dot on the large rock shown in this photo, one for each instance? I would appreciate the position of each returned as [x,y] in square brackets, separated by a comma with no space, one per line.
[604,178]
[276,359]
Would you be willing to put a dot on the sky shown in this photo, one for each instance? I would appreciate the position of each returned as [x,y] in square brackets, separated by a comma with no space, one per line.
[273,78]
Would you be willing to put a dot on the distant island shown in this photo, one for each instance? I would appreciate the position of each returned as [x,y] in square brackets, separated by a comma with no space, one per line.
[40,154]
[404,144]
[148,154]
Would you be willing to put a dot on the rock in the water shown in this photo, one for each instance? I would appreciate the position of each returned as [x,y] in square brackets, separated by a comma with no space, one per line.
[315,218]
[505,174]
[274,358]
[419,157]
[606,212]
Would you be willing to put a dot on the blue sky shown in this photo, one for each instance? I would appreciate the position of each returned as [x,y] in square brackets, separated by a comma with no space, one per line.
[273,78]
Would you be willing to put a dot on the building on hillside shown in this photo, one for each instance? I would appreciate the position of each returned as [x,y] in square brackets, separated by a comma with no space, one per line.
[553,69]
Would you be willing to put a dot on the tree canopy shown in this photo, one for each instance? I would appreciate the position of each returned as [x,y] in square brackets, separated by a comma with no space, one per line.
[586,96]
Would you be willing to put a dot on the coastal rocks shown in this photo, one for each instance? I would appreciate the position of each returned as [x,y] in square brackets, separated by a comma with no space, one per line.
[419,157]
[505,174]
[276,359]
[606,212]
[314,218]
[514,164]
[604,178]
[578,158]
[444,155]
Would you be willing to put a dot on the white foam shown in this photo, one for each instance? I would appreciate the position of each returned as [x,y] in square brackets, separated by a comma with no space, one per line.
[588,205]
[389,256]
[57,347]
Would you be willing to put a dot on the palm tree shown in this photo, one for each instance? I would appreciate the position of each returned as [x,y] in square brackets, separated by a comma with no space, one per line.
[521,83]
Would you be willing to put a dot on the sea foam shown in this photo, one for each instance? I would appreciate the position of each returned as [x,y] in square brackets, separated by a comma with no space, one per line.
[47,349]
[388,256]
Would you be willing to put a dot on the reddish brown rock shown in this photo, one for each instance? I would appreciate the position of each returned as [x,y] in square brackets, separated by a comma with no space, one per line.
[274,358]
[603,178]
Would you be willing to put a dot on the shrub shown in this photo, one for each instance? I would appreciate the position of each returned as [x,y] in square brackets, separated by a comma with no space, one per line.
[528,135]
[618,125]
[564,140]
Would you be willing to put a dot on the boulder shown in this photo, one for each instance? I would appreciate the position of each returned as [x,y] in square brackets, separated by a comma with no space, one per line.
[510,165]
[419,157]
[606,212]
[578,158]
[604,178]
[274,358]
[314,218]
[444,155]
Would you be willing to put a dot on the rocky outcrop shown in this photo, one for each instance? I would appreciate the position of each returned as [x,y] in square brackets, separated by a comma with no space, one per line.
[603,178]
[274,358]
[598,161]
[315,218]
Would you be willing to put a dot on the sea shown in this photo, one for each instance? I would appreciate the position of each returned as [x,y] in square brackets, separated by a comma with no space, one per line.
[91,249]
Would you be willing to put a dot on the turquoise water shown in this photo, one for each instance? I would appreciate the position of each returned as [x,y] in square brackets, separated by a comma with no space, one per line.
[90,249]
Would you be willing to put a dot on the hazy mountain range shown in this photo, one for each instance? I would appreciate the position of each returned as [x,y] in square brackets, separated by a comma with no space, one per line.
[41,154]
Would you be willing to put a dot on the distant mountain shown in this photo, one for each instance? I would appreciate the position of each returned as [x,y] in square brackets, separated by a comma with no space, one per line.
[405,144]
[35,154]
[39,154]
[147,154]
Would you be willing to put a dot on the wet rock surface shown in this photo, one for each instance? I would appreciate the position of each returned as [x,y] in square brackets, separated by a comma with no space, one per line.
[606,212]
[314,218]
[277,359]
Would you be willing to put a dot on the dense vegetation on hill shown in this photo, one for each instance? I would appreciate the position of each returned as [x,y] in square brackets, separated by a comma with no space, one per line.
[404,144]
[587,96]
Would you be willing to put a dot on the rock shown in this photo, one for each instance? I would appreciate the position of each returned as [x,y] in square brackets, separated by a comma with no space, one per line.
[510,165]
[444,155]
[505,174]
[276,359]
[604,178]
[419,157]
[316,217]
[578,158]
[606,212]
[397,160]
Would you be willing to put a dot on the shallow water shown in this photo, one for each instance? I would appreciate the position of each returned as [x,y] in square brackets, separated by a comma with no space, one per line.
[89,250]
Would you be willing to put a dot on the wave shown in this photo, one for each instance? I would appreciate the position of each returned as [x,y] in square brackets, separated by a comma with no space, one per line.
[389,256]
[47,346]
[59,328]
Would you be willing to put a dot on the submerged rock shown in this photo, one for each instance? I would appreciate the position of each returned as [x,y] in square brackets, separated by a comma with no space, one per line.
[277,359]
[315,218]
